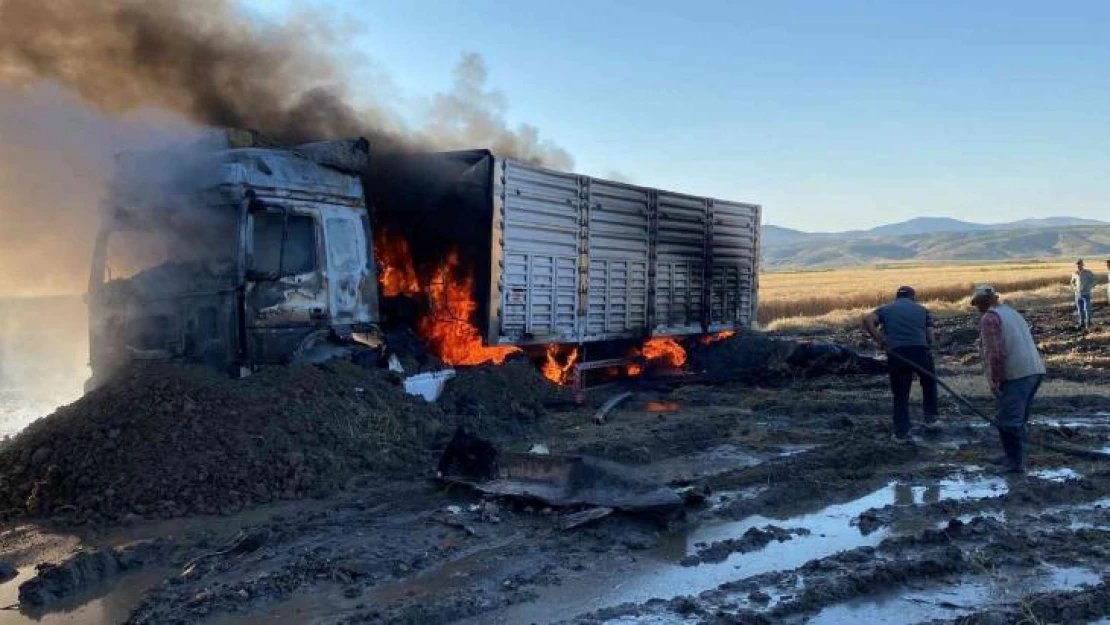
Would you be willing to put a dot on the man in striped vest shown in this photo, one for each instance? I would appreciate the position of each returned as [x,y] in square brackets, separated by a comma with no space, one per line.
[1013,367]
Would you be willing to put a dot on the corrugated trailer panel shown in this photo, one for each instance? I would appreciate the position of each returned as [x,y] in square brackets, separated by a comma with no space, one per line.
[734,234]
[578,259]
[540,234]
[680,264]
[617,287]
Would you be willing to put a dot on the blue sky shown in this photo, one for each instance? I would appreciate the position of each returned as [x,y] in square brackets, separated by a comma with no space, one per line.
[833,115]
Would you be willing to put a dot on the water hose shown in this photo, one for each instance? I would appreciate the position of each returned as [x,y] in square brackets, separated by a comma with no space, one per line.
[1089,454]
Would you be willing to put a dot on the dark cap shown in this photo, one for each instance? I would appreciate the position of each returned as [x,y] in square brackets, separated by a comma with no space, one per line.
[906,291]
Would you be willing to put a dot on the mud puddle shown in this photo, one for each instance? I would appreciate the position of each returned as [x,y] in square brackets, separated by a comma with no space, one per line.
[951,601]
[323,606]
[692,467]
[105,604]
[659,574]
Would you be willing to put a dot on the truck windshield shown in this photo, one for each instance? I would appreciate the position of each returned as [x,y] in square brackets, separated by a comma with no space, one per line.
[164,260]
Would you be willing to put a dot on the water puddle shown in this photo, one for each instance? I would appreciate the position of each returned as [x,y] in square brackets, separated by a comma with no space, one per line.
[659,575]
[913,606]
[1056,475]
[1099,421]
[793,450]
[105,604]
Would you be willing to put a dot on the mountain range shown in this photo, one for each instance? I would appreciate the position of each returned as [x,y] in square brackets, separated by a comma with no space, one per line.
[936,239]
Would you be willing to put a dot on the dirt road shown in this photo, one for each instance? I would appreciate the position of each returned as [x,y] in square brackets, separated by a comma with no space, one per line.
[812,514]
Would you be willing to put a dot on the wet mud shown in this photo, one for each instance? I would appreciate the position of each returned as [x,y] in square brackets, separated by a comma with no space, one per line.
[799,509]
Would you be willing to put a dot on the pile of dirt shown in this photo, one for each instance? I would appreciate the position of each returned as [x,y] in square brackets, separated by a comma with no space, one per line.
[748,357]
[756,358]
[498,401]
[165,440]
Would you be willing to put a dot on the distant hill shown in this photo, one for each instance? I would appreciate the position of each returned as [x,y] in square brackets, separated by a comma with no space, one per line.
[935,239]
[926,225]
[1048,222]
[774,235]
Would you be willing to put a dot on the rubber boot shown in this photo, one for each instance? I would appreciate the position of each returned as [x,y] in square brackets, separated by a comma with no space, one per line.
[1011,444]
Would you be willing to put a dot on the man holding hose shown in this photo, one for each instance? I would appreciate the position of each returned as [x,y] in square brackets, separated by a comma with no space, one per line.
[904,329]
[1013,367]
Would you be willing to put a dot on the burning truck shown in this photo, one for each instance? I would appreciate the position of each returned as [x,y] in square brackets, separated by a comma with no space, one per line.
[239,253]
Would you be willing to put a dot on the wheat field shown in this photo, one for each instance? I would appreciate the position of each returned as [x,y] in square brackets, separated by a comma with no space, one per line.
[798,299]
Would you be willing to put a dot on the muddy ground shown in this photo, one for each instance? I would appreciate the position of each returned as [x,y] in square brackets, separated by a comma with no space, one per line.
[811,515]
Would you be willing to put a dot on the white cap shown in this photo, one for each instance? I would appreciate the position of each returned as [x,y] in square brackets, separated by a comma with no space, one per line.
[982,290]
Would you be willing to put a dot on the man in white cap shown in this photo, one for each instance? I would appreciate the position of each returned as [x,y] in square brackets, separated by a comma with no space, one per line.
[1082,282]
[1014,369]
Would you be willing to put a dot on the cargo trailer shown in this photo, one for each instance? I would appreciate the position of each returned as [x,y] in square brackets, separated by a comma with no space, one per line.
[567,258]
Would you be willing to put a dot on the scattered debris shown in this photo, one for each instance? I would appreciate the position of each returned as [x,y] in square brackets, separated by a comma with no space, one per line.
[578,519]
[565,481]
[428,385]
[468,456]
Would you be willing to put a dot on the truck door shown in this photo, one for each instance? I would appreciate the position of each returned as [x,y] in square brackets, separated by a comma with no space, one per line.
[352,286]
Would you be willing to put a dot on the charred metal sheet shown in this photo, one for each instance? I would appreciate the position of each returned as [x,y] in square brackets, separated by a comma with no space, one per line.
[565,481]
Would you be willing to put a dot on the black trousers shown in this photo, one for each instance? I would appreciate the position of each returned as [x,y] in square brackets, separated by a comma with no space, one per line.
[901,380]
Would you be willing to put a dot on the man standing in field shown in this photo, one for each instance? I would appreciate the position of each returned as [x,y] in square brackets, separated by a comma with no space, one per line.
[904,329]
[1108,280]
[1013,367]
[1082,282]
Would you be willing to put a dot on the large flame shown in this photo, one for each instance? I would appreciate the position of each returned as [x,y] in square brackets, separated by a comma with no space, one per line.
[398,276]
[664,349]
[448,330]
[556,371]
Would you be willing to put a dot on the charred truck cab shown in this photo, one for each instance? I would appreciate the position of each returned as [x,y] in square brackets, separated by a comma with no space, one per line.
[232,255]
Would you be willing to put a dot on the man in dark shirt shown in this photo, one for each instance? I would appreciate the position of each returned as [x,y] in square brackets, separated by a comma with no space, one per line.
[905,328]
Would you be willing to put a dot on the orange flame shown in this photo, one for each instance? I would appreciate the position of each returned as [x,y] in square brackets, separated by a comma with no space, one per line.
[552,370]
[663,406]
[448,330]
[398,276]
[709,339]
[665,349]
[633,370]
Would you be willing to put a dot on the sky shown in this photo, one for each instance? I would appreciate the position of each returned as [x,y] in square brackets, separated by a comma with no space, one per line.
[831,115]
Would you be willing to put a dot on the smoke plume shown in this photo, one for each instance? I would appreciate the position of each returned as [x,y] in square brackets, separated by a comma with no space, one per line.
[55,155]
[203,59]
[206,61]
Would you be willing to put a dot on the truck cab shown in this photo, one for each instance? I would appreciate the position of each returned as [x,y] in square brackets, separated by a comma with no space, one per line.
[232,254]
